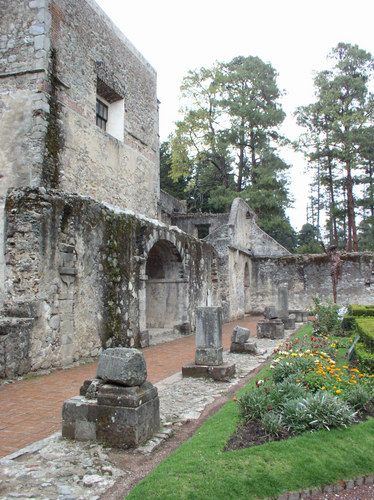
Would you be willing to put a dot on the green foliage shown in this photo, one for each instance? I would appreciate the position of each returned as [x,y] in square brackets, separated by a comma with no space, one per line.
[365,328]
[358,310]
[327,320]
[254,404]
[338,143]
[308,240]
[291,366]
[364,357]
[225,144]
[319,410]
[175,188]
[359,397]
[273,423]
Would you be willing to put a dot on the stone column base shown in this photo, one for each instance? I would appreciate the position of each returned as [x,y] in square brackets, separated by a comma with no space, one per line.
[221,372]
[212,356]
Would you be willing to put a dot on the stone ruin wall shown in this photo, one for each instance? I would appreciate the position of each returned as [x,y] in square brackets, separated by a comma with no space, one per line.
[78,268]
[23,104]
[59,144]
[308,276]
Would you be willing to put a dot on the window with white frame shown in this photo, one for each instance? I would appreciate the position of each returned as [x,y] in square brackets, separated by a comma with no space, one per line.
[110,110]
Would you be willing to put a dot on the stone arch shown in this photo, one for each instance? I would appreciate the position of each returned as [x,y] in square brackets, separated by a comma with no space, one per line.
[166,297]
[246,284]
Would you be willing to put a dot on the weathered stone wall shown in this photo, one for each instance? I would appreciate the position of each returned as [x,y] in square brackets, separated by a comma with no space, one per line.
[82,266]
[189,222]
[308,276]
[88,46]
[24,45]
[248,236]
[170,206]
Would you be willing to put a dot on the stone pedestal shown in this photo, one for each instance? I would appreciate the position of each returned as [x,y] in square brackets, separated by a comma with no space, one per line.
[209,351]
[208,336]
[240,342]
[270,329]
[282,301]
[116,414]
[289,323]
[222,372]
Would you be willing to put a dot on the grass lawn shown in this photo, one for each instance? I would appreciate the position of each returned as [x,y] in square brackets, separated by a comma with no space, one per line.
[200,469]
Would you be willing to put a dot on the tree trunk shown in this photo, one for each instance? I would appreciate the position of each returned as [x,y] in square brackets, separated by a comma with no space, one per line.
[352,242]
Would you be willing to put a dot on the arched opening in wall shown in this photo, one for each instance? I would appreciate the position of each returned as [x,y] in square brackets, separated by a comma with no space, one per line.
[247,283]
[166,288]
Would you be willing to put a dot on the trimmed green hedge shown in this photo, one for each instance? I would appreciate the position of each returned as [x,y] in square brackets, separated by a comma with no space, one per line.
[364,357]
[365,328]
[357,310]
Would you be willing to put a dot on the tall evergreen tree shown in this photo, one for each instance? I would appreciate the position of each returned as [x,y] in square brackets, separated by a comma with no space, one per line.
[343,111]
[226,142]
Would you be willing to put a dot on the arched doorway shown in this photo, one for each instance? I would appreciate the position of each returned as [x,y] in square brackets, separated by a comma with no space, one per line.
[166,287]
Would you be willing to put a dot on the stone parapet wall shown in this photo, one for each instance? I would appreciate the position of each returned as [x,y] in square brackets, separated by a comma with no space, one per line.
[169,207]
[308,276]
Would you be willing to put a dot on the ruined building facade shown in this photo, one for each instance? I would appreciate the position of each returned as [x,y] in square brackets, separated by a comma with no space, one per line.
[92,254]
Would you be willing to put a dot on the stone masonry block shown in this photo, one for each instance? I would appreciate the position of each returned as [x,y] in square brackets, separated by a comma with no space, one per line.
[122,366]
[222,372]
[128,427]
[209,356]
[270,312]
[240,335]
[289,323]
[270,329]
[130,397]
[208,327]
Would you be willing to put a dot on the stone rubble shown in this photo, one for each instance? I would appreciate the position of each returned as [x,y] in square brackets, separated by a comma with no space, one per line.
[59,469]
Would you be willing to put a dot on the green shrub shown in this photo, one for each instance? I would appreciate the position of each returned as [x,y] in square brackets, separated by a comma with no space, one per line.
[358,310]
[273,423]
[327,320]
[359,397]
[252,405]
[348,323]
[293,366]
[364,357]
[321,410]
[365,328]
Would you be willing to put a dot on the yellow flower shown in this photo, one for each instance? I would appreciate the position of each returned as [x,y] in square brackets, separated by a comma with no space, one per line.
[323,388]
[338,391]
[297,380]
[345,367]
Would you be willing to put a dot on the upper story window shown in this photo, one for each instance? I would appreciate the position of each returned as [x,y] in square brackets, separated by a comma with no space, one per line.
[110,110]
[101,114]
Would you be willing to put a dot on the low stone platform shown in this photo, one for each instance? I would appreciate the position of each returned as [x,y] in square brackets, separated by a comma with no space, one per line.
[222,372]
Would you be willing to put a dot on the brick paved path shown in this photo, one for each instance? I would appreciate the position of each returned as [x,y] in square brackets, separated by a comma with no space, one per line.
[31,409]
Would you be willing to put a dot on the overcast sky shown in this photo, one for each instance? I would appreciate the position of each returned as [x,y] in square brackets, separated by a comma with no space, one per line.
[293,35]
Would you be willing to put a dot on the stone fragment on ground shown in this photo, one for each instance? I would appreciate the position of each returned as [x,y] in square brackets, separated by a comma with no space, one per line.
[62,469]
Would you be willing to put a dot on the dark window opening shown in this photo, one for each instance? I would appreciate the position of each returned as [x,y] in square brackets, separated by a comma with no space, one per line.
[202,230]
[101,114]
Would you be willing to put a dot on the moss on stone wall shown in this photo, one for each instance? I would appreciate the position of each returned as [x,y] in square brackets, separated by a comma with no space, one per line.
[117,265]
[54,138]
